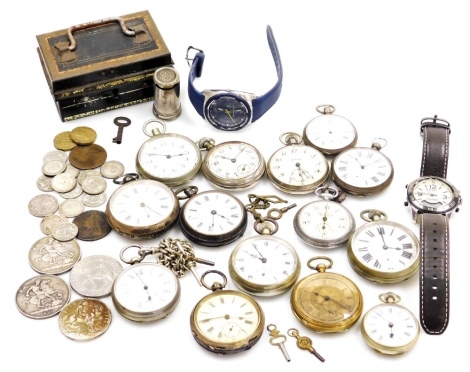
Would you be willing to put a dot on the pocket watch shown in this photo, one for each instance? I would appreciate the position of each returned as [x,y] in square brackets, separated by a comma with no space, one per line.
[226,321]
[145,292]
[213,218]
[362,171]
[170,158]
[326,302]
[297,168]
[233,165]
[142,208]
[329,133]
[325,223]
[383,251]
[390,328]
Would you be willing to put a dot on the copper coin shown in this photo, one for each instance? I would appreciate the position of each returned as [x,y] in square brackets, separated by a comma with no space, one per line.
[87,157]
[63,141]
[84,319]
[92,225]
[83,135]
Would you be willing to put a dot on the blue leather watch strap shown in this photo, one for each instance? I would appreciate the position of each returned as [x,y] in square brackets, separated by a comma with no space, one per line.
[260,104]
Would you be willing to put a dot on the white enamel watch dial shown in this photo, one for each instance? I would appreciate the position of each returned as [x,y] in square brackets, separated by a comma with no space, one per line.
[362,171]
[383,251]
[213,218]
[264,265]
[227,321]
[324,224]
[329,133]
[233,165]
[390,328]
[297,168]
[142,209]
[146,292]
[167,157]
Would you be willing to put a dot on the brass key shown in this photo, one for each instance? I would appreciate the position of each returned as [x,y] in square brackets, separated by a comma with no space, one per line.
[304,343]
[278,340]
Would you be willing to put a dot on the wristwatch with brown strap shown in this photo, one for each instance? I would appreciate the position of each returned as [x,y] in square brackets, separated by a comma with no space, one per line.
[433,199]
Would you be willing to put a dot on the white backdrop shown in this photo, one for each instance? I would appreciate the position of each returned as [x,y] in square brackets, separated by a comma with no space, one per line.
[383,65]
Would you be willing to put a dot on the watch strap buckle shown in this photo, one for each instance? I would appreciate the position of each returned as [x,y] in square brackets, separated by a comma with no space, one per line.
[434,122]
[188,59]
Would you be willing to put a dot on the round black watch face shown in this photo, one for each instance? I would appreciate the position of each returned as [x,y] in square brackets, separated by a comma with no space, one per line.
[227,112]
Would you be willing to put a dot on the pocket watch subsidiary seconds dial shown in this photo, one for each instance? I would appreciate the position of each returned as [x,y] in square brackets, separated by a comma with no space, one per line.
[145,292]
[362,171]
[213,218]
[324,223]
[142,209]
[297,168]
[226,321]
[329,133]
[233,165]
[168,157]
[326,302]
[383,251]
[390,328]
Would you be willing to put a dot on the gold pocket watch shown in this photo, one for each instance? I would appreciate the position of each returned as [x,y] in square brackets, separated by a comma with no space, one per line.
[170,158]
[142,208]
[213,218]
[390,328]
[383,251]
[325,223]
[226,321]
[326,302]
[233,165]
[362,171]
[297,168]
[329,133]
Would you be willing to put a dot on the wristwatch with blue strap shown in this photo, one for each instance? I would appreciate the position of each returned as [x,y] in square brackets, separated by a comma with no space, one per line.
[229,109]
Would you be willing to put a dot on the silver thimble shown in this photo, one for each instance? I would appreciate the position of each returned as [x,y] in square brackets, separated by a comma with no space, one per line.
[166,104]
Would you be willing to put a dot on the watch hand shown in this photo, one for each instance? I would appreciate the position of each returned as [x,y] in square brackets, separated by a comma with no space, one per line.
[146,288]
[390,324]
[226,316]
[328,298]
[229,115]
[362,167]
[263,260]
[254,256]
[150,209]
[243,149]
[381,231]
[168,156]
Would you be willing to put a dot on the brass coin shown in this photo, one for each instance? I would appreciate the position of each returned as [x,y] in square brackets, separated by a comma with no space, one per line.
[63,141]
[84,319]
[92,225]
[83,135]
[87,157]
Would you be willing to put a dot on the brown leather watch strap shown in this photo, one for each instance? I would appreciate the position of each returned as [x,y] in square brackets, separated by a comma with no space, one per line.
[435,147]
[434,273]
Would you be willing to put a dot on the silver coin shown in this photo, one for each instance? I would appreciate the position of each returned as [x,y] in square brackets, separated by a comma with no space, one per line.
[72,170]
[84,319]
[63,232]
[43,205]
[48,222]
[112,169]
[55,155]
[50,256]
[42,296]
[44,183]
[94,201]
[74,193]
[94,185]
[94,276]
[53,167]
[63,182]
[71,207]
[86,173]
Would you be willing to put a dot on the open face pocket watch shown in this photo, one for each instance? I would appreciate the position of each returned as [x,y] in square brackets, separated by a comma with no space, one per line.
[170,158]
[325,223]
[326,302]
[329,133]
[297,168]
[362,171]
[213,218]
[233,165]
[226,321]
[390,328]
[383,251]
[143,208]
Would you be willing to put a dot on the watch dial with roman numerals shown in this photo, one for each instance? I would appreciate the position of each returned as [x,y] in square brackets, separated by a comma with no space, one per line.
[362,171]
[384,251]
